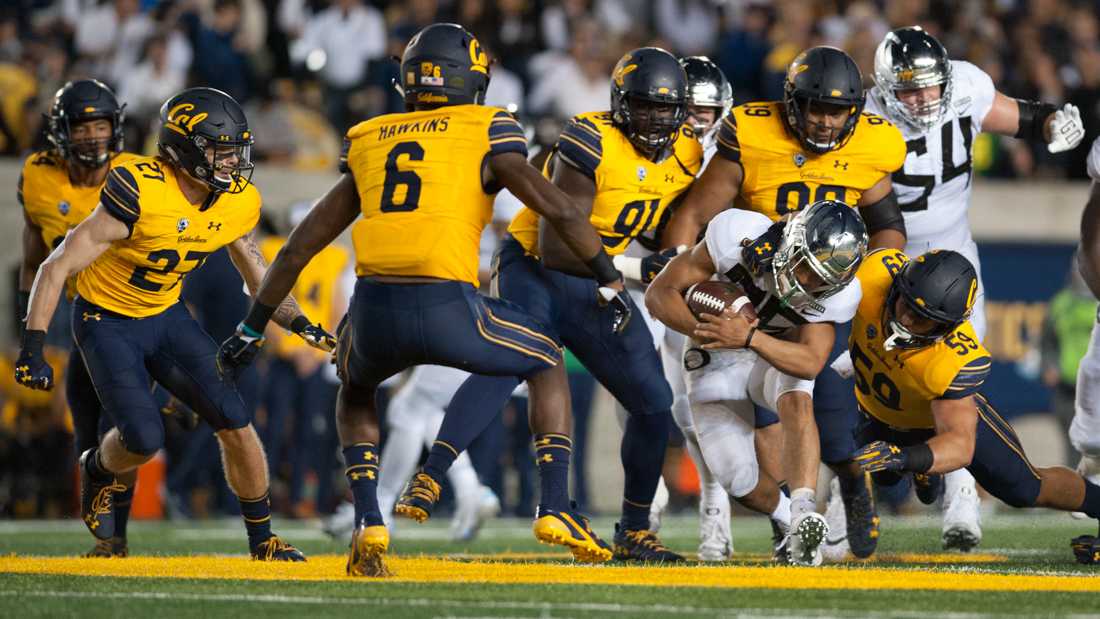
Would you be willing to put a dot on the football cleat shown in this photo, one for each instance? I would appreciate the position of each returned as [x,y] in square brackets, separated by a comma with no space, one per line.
[658,505]
[962,527]
[419,497]
[103,549]
[928,487]
[861,518]
[779,541]
[1089,468]
[472,512]
[808,532]
[368,551]
[835,548]
[275,549]
[642,545]
[715,543]
[570,529]
[96,507]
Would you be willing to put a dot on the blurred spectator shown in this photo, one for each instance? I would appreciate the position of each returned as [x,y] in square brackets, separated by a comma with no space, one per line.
[1086,96]
[222,62]
[691,26]
[337,43]
[742,49]
[110,37]
[580,82]
[150,84]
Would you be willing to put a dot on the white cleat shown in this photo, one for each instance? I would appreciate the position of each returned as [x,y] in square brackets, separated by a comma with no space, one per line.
[1089,468]
[658,506]
[835,549]
[808,532]
[341,523]
[472,513]
[962,522]
[715,543]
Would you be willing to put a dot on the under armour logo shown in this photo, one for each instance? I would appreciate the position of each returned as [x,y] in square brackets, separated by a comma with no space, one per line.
[669,178]
[842,165]
[91,316]
[214,226]
[545,458]
[763,248]
[368,456]
[358,476]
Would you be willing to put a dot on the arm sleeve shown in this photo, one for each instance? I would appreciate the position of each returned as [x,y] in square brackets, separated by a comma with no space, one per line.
[581,146]
[342,166]
[506,135]
[120,197]
[968,380]
[726,143]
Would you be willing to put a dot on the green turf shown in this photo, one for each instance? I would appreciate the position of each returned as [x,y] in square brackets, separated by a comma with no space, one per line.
[1037,542]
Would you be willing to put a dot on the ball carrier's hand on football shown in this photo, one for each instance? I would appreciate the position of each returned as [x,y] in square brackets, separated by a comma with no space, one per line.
[730,329]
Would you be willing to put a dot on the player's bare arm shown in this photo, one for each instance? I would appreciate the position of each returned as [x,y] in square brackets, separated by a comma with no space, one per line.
[580,190]
[34,252]
[803,357]
[878,206]
[1060,128]
[1088,254]
[713,192]
[665,296]
[250,263]
[83,245]
[956,432]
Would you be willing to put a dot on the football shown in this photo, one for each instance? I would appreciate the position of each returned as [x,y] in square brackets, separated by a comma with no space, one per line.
[713,297]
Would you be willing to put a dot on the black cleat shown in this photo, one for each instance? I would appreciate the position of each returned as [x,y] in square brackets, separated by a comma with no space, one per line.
[1086,549]
[642,545]
[929,487]
[419,497]
[96,508]
[860,515]
[105,548]
[275,549]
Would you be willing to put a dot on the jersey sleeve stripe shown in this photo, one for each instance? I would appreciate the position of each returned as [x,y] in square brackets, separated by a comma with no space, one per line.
[19,190]
[506,135]
[727,143]
[342,165]
[126,181]
[969,378]
[120,197]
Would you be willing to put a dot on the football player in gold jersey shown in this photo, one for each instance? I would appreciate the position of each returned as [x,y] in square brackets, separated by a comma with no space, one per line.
[419,188]
[59,188]
[775,158]
[625,167]
[157,220]
[919,367]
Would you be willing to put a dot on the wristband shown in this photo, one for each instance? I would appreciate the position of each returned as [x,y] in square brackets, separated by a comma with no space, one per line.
[258,317]
[748,340]
[299,324]
[918,458]
[630,267]
[1033,118]
[603,268]
[33,340]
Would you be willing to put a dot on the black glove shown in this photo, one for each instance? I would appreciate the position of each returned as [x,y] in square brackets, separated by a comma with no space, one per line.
[31,369]
[621,306]
[238,351]
[655,262]
[314,335]
[757,254]
[881,456]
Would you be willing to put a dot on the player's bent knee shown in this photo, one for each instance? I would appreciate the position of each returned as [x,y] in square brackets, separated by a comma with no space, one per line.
[742,480]
[142,439]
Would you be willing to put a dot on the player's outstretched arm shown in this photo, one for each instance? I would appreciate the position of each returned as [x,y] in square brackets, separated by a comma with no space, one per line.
[956,432]
[710,194]
[665,296]
[803,358]
[1060,129]
[570,222]
[878,206]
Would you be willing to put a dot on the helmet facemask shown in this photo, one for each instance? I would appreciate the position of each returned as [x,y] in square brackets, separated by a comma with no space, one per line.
[812,265]
[89,152]
[925,69]
[229,164]
[901,337]
[797,117]
[652,124]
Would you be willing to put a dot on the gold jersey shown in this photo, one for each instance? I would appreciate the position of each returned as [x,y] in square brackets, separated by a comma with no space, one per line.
[632,192]
[419,178]
[315,291]
[140,275]
[780,177]
[897,387]
[50,200]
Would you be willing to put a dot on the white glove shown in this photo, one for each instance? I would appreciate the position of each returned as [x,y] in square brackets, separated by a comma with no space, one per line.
[843,365]
[1066,130]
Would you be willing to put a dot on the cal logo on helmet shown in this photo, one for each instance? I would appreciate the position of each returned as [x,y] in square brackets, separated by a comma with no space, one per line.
[179,117]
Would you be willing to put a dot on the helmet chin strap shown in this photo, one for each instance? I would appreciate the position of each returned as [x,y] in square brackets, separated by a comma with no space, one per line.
[896,338]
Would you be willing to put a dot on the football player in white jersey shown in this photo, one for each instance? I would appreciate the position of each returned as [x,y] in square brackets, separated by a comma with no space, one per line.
[1084,430]
[732,364]
[940,105]
[710,98]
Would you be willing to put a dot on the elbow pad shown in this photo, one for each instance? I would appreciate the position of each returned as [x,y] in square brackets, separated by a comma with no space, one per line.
[883,215]
[1033,115]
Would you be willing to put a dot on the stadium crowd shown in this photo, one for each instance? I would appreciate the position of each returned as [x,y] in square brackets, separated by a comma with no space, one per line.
[307,70]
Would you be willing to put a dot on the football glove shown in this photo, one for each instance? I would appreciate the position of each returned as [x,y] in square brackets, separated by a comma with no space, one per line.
[620,306]
[757,254]
[238,351]
[657,261]
[881,456]
[317,337]
[31,369]
[1066,130]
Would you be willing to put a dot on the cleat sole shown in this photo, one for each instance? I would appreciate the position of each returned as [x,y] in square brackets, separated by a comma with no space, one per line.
[411,512]
[960,539]
[583,551]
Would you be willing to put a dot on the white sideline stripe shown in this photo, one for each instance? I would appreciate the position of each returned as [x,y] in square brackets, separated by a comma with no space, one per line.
[745,613]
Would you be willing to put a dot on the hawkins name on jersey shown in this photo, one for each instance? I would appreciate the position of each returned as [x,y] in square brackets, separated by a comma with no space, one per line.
[723,239]
[933,186]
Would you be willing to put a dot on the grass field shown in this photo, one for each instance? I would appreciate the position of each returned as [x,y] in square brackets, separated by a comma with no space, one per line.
[1023,568]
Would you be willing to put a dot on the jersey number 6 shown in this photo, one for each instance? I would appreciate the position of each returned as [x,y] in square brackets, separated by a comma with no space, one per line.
[396,177]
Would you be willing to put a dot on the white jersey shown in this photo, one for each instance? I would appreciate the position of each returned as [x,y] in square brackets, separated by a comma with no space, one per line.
[723,239]
[933,186]
[1093,161]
